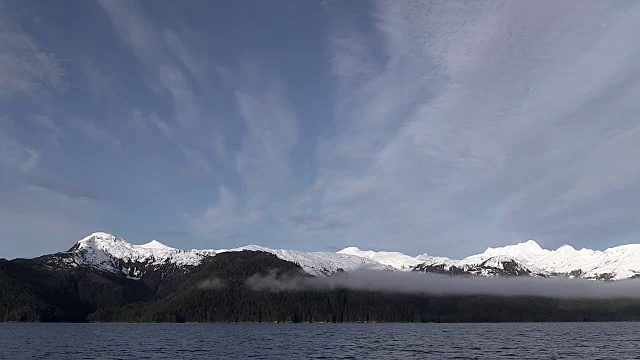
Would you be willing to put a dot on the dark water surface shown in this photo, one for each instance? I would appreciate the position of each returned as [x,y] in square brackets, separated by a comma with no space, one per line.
[321,341]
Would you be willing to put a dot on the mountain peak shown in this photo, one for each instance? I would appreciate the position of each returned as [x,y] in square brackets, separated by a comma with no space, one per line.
[99,235]
[154,244]
[110,253]
[529,244]
[527,250]
[96,239]
[349,250]
[566,247]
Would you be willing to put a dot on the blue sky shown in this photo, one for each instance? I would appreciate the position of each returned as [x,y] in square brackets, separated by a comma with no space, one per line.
[437,127]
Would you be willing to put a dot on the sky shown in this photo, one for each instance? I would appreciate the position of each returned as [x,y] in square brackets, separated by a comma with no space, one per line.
[413,126]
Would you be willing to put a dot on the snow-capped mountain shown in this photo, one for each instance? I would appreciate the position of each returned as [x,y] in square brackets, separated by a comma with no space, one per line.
[528,258]
[620,262]
[106,252]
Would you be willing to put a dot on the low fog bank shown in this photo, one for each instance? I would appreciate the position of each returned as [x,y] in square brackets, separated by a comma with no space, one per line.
[211,284]
[434,284]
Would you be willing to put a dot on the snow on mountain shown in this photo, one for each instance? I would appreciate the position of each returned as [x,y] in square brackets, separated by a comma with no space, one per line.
[320,263]
[426,258]
[154,244]
[396,260]
[528,250]
[616,263]
[107,252]
[493,259]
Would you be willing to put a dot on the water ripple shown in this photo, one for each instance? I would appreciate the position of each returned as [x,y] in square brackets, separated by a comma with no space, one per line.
[320,341]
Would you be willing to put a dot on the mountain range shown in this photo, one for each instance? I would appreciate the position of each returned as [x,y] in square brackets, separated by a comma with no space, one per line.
[109,253]
[104,278]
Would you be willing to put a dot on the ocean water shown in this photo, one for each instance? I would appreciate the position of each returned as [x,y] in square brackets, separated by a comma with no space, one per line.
[321,341]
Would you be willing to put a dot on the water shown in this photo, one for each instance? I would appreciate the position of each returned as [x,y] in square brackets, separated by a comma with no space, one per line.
[321,341]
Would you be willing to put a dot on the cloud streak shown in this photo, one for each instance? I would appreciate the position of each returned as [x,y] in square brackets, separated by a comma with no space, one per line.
[63,189]
[263,163]
[16,156]
[440,285]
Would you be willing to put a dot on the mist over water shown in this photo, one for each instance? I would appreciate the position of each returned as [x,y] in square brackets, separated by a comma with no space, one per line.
[435,284]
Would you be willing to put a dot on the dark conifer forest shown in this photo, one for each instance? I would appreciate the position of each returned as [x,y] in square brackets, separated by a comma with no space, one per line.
[217,291]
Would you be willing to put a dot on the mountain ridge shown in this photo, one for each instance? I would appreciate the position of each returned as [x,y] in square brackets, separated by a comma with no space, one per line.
[107,252]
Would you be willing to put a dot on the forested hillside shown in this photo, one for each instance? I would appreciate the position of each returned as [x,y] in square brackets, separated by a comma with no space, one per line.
[29,292]
[218,291]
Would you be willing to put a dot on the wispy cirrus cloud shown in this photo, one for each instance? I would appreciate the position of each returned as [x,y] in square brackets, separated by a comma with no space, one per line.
[165,56]
[184,100]
[198,163]
[225,214]
[16,156]
[263,163]
[442,127]
[32,216]
[308,222]
[65,190]
[96,133]
[26,67]
[184,53]
[499,116]
[154,48]
[134,28]
[52,129]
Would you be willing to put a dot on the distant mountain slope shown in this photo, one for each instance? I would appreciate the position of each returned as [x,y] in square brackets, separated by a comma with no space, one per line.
[320,263]
[617,263]
[396,260]
[108,253]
